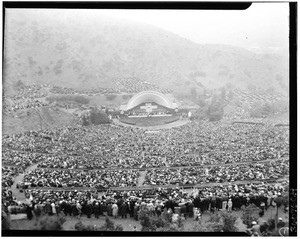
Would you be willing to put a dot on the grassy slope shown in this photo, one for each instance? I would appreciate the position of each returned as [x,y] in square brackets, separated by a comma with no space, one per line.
[41,118]
[83,53]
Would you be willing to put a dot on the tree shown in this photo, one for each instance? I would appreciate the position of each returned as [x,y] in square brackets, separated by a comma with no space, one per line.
[163,222]
[225,220]
[79,226]
[94,117]
[5,222]
[50,223]
[250,214]
[111,97]
[229,220]
[221,221]
[203,226]
[201,101]
[109,225]
[215,110]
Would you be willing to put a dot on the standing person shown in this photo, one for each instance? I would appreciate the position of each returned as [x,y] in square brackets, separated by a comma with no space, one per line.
[68,208]
[131,206]
[53,207]
[135,210]
[262,209]
[229,205]
[79,209]
[74,209]
[213,203]
[224,202]
[269,199]
[109,209]
[123,210]
[48,207]
[103,208]
[218,202]
[96,210]
[158,208]
[115,209]
[88,210]
[29,211]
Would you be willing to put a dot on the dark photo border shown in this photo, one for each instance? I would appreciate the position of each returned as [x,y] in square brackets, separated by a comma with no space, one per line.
[183,6]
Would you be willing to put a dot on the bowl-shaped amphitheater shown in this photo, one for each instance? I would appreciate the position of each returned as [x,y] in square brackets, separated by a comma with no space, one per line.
[75,163]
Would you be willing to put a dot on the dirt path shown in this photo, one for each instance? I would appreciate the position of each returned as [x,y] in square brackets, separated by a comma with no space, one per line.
[15,192]
[141,178]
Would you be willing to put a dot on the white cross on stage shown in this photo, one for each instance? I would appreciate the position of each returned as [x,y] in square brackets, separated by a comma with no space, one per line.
[149,107]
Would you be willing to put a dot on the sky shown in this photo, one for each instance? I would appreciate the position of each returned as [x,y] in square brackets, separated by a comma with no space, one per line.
[263,26]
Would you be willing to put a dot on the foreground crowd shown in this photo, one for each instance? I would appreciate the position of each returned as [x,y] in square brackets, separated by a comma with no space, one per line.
[128,203]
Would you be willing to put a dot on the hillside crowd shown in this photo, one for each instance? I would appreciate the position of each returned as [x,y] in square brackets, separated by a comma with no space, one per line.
[134,85]
[91,92]
[10,108]
[30,92]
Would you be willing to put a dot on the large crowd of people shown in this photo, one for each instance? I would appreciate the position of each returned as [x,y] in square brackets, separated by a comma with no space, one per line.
[129,203]
[91,92]
[30,92]
[107,156]
[108,146]
[134,85]
[83,178]
[10,109]
[225,173]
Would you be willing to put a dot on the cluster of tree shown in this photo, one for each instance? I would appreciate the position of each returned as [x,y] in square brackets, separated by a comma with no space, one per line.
[212,109]
[250,214]
[151,222]
[126,97]
[215,109]
[222,221]
[5,221]
[111,97]
[109,225]
[94,117]
[50,223]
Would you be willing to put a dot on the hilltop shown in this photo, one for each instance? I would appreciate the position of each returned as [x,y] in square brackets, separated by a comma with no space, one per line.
[80,51]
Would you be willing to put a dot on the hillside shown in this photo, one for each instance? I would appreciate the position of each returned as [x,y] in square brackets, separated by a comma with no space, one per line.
[36,119]
[91,51]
